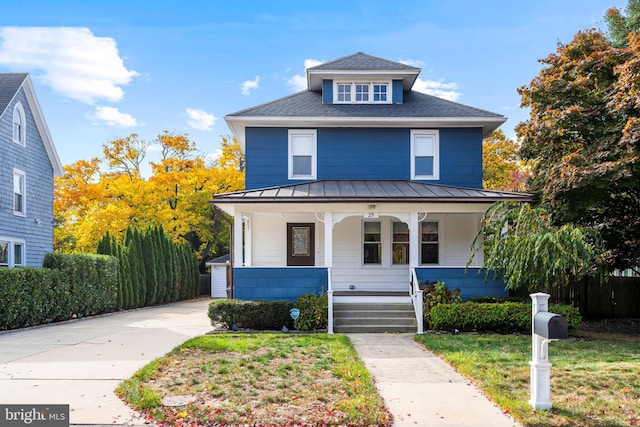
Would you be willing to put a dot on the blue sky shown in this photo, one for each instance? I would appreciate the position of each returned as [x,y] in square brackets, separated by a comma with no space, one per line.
[106,69]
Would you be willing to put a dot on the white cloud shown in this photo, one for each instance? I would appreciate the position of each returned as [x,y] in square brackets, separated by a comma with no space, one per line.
[113,117]
[412,62]
[298,82]
[249,85]
[437,88]
[74,62]
[200,119]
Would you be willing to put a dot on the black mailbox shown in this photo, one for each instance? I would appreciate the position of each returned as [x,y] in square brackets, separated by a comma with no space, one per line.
[550,325]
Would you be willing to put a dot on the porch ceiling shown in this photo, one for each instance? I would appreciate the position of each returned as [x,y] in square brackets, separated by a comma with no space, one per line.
[358,191]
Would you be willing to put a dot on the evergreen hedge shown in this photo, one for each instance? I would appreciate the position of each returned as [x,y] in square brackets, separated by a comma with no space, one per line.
[503,317]
[71,285]
[152,268]
[259,315]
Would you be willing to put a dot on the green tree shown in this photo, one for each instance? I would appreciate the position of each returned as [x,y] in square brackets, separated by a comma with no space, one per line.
[620,26]
[582,141]
[520,244]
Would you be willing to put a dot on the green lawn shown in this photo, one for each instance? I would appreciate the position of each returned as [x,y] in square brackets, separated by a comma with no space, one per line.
[270,379]
[594,381]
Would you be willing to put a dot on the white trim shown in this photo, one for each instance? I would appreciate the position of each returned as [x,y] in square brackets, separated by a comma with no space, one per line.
[313,134]
[22,137]
[238,124]
[42,127]
[352,91]
[380,242]
[21,173]
[12,241]
[436,153]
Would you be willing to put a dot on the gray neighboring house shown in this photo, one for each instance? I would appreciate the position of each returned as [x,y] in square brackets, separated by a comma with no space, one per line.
[28,163]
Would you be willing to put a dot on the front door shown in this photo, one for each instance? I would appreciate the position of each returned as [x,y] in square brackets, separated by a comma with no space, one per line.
[301,244]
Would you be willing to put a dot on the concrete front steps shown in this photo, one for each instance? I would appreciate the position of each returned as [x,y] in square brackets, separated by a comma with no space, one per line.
[374,317]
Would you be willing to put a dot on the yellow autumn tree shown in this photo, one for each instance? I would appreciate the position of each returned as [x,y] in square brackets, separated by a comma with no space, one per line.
[502,168]
[91,201]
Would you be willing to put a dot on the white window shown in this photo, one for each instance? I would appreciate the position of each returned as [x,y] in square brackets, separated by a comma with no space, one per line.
[425,159]
[400,248]
[362,92]
[429,242]
[19,125]
[302,154]
[11,252]
[372,242]
[19,192]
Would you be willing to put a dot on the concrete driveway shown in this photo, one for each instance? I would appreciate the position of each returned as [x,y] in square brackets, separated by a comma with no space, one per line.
[81,362]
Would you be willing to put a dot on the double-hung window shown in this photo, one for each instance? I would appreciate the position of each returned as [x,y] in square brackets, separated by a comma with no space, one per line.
[429,242]
[425,157]
[362,92]
[19,125]
[372,242]
[302,154]
[19,192]
[400,249]
[11,252]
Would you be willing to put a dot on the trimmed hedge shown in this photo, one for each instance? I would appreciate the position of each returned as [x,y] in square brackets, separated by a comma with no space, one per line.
[259,315]
[314,312]
[503,317]
[72,285]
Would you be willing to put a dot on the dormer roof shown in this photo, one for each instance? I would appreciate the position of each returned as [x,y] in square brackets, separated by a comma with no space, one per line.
[361,65]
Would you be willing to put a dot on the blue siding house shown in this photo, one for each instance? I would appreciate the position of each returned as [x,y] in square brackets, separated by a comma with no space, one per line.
[360,187]
[28,163]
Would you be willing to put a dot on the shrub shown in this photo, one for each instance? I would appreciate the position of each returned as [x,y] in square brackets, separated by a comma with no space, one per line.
[314,310]
[496,317]
[260,315]
[436,293]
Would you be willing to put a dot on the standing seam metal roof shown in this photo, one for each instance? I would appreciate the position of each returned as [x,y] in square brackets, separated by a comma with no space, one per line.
[370,191]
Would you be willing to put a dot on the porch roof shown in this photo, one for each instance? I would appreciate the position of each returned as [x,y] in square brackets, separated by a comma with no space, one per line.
[347,191]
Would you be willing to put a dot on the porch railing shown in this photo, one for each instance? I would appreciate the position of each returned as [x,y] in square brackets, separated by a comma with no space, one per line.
[416,298]
[330,302]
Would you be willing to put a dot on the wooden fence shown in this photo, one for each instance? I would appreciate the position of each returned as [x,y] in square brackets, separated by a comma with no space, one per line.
[618,297]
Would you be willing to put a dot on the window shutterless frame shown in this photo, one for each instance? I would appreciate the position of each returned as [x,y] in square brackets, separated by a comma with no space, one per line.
[425,154]
[302,155]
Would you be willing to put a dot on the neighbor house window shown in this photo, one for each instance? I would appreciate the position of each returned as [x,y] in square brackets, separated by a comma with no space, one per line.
[429,243]
[400,250]
[302,154]
[362,92]
[372,242]
[11,252]
[19,192]
[425,161]
[19,125]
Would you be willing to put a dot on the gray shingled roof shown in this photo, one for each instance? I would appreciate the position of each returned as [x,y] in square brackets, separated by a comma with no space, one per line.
[362,62]
[9,85]
[415,104]
[336,191]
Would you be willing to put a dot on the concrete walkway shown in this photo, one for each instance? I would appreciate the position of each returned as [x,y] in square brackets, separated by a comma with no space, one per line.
[420,389]
[81,362]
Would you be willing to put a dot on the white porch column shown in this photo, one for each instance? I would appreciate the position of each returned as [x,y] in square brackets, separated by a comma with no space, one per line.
[328,239]
[238,254]
[247,241]
[414,240]
[328,262]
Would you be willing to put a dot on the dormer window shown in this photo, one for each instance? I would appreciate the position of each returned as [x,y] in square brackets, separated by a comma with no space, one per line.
[362,92]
